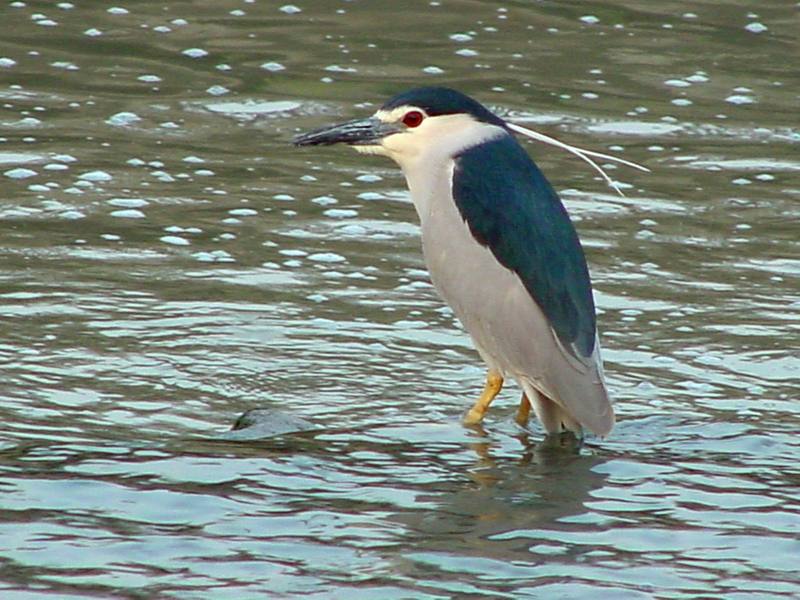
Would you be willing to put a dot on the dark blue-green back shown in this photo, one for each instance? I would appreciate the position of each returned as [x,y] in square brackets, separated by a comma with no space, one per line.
[512,209]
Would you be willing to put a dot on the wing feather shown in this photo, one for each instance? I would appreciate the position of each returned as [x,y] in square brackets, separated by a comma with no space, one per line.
[511,208]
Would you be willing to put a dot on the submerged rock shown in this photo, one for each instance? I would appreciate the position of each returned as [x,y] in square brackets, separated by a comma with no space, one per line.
[263,423]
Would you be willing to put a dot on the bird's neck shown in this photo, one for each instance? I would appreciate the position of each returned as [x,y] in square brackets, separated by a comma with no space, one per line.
[429,183]
[429,173]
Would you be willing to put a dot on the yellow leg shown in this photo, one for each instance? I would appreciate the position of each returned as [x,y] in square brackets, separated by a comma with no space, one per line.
[494,383]
[524,412]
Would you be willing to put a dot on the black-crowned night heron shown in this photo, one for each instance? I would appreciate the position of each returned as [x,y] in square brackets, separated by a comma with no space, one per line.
[500,249]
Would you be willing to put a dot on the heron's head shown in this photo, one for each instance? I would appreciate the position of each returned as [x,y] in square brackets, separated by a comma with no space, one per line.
[423,123]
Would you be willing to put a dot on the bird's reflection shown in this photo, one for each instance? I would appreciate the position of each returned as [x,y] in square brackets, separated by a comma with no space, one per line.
[516,481]
[555,449]
[532,483]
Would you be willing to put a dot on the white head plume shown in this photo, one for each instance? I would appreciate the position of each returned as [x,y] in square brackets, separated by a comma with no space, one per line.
[579,152]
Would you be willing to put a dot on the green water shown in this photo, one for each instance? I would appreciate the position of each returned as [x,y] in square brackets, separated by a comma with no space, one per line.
[168,261]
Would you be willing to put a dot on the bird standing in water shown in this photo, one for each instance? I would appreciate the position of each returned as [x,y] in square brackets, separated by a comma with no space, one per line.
[500,248]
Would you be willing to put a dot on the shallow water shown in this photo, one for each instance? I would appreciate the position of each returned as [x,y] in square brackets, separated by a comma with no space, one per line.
[168,261]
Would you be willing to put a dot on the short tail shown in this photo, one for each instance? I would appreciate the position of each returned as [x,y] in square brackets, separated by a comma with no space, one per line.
[556,418]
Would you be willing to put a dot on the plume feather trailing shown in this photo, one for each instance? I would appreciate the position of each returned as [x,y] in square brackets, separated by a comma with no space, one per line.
[579,152]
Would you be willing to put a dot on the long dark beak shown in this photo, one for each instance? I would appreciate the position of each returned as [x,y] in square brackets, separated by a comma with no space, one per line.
[362,132]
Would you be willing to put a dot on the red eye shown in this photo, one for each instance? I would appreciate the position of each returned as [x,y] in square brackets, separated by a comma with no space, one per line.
[413,118]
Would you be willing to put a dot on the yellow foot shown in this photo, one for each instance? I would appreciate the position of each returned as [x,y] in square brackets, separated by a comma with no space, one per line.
[524,411]
[494,383]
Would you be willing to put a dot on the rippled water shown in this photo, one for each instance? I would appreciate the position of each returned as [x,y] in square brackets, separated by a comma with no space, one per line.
[168,261]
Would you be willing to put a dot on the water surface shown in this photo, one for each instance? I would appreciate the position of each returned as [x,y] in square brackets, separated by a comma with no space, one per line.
[168,261]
